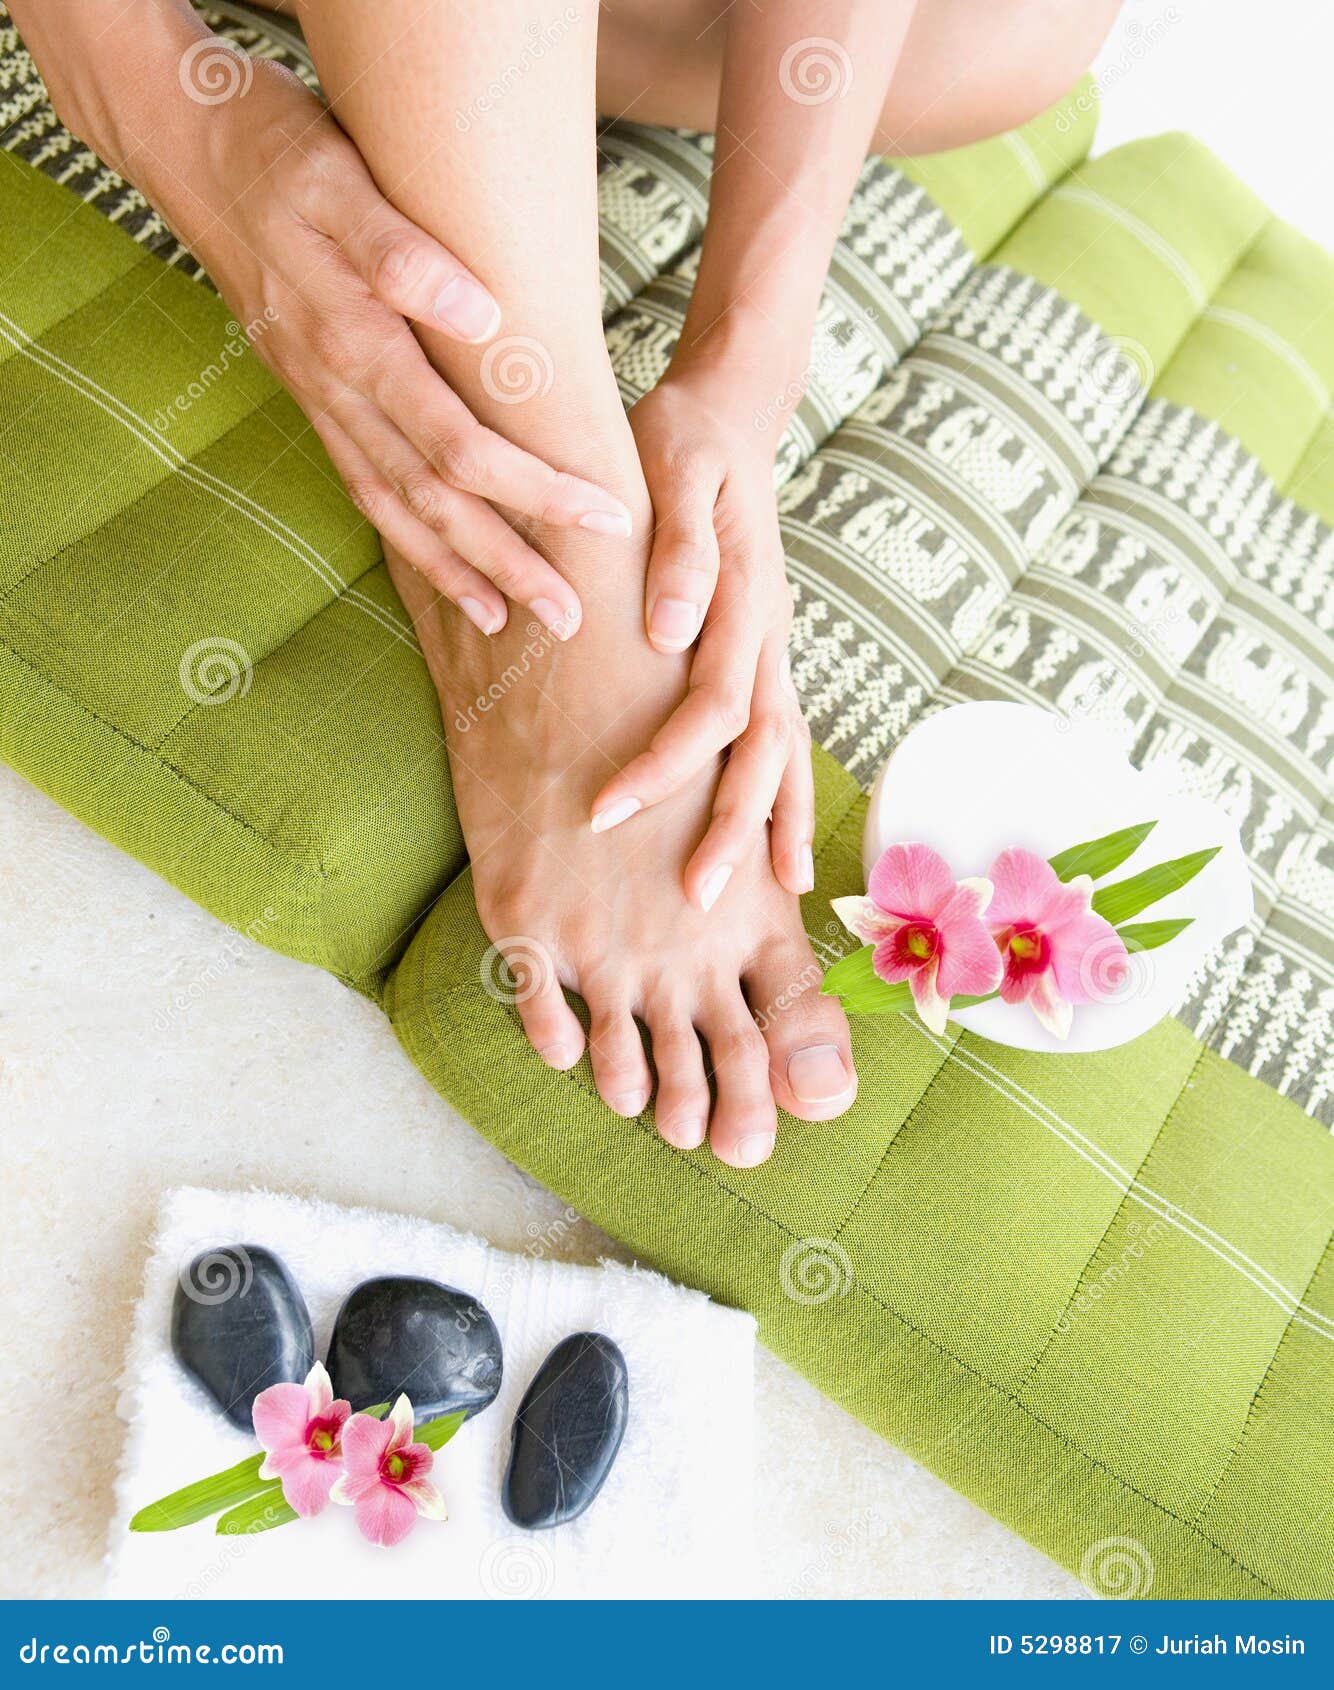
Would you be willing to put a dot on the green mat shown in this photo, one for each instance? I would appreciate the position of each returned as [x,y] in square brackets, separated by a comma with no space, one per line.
[1068,441]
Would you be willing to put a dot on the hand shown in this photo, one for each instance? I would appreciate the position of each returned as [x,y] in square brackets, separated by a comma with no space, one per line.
[717,565]
[275,201]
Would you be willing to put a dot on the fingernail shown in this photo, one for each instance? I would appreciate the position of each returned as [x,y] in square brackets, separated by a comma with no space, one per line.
[712,885]
[674,621]
[614,814]
[556,620]
[607,522]
[754,1149]
[477,613]
[629,1102]
[685,1135]
[817,1074]
[806,869]
[559,1055]
[465,306]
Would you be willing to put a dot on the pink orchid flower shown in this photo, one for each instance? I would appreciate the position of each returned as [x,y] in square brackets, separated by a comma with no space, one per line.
[1057,952]
[384,1476]
[300,1427]
[927,929]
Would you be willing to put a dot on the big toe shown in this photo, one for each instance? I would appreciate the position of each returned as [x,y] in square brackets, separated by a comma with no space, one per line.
[810,1053]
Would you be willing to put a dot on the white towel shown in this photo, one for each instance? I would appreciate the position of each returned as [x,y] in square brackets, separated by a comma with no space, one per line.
[674,1517]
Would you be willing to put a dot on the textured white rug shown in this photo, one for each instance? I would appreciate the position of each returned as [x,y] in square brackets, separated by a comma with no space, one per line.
[674,1517]
[144,1046]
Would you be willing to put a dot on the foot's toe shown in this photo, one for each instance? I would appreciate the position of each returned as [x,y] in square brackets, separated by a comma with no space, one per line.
[810,1057]
[551,1025]
[682,1107]
[617,1053]
[744,1121]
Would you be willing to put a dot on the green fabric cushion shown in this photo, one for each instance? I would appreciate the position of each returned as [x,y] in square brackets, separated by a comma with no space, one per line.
[200,654]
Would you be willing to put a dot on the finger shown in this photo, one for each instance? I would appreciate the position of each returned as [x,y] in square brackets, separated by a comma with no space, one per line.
[476,459]
[715,710]
[431,556]
[741,807]
[400,263]
[471,527]
[682,569]
[794,819]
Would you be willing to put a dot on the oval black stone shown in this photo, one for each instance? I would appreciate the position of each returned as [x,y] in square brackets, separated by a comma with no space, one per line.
[415,1335]
[240,1324]
[567,1432]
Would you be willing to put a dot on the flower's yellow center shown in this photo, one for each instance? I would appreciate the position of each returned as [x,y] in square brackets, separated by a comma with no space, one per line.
[395,1467]
[1026,945]
[322,1440]
[921,942]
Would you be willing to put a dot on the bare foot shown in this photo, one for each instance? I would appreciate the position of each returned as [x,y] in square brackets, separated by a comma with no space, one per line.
[535,727]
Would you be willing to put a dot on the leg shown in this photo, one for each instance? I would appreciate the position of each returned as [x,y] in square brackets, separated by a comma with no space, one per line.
[533,728]
[969,68]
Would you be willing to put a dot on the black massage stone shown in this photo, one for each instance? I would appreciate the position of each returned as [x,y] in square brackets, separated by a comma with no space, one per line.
[239,1324]
[567,1432]
[438,1345]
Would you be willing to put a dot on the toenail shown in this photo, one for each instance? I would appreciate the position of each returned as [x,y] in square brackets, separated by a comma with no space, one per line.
[817,1074]
[685,1135]
[559,1055]
[614,814]
[674,622]
[753,1149]
[629,1102]
[712,885]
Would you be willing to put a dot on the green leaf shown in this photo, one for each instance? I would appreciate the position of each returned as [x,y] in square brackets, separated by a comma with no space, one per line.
[435,1434]
[204,1497]
[1096,857]
[1117,903]
[260,1514]
[1148,935]
[861,989]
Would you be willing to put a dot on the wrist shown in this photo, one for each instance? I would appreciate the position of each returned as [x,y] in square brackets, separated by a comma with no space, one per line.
[744,374]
